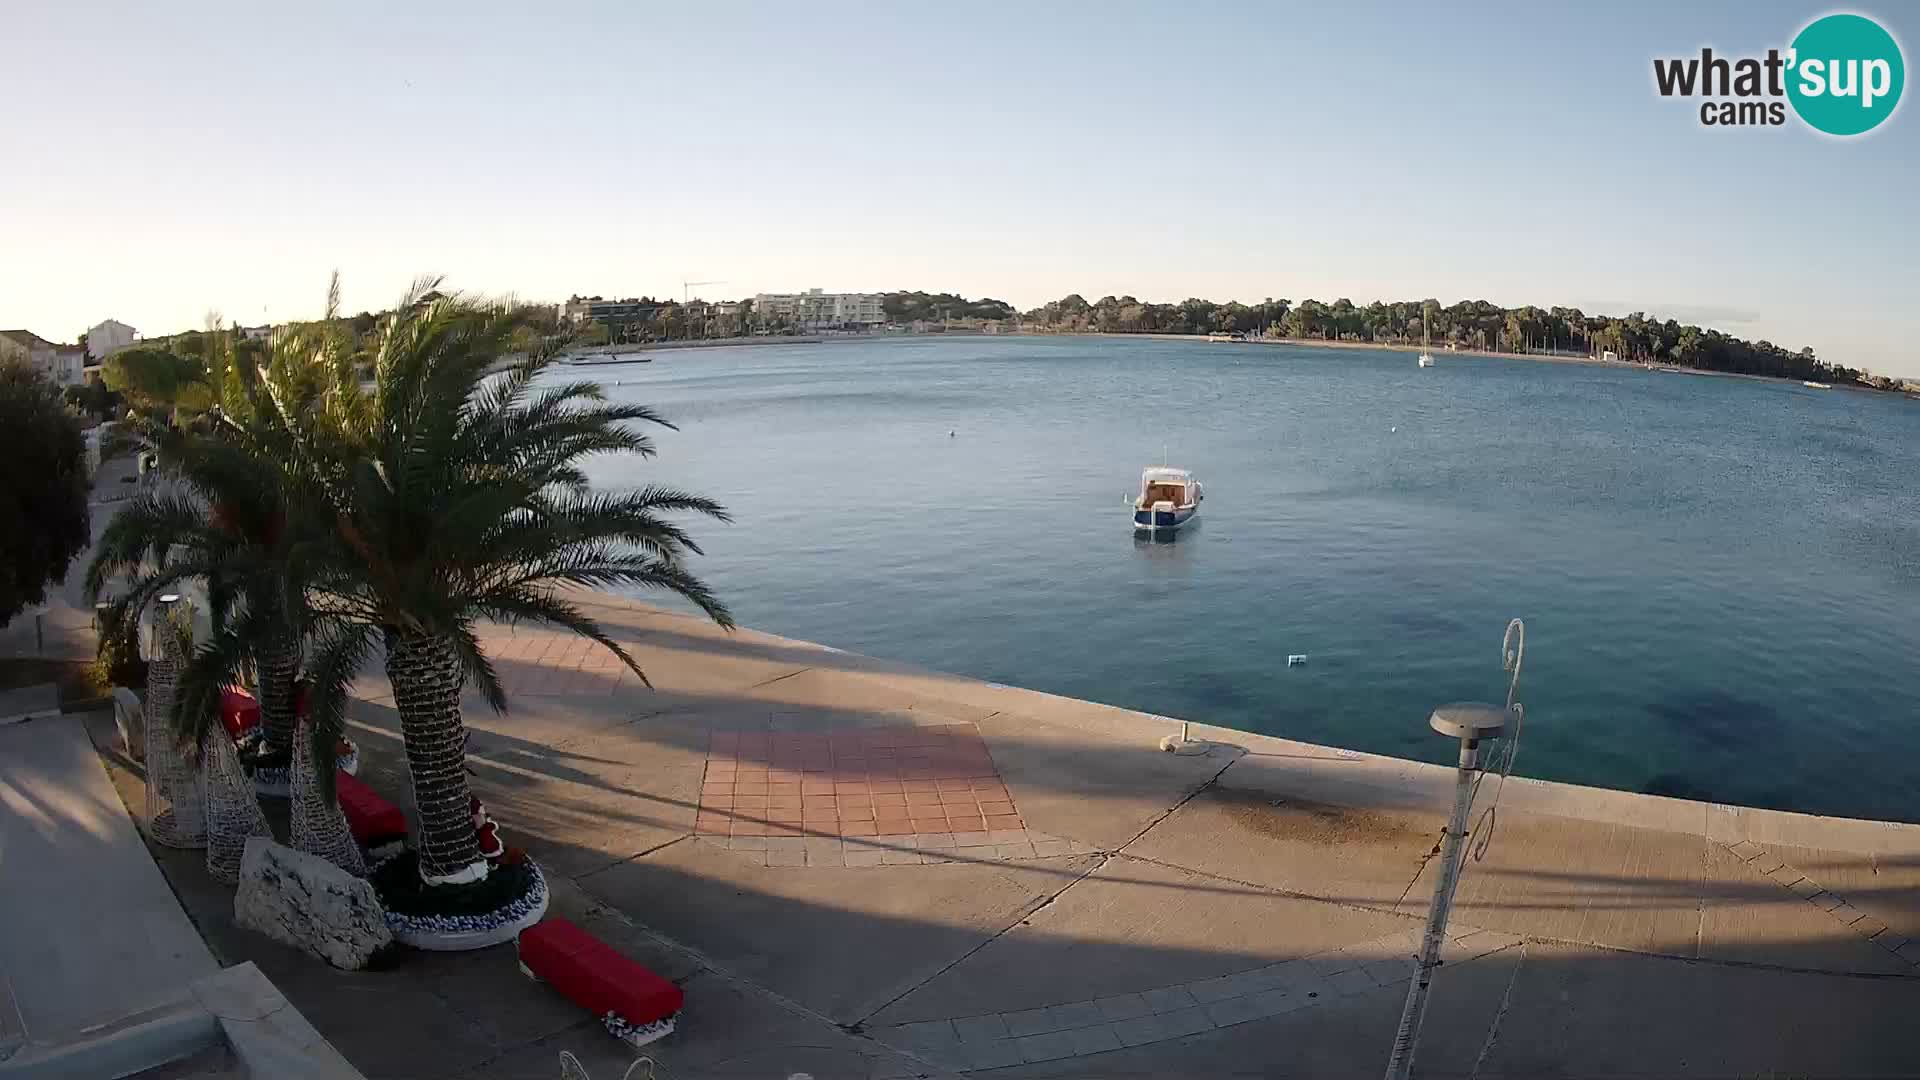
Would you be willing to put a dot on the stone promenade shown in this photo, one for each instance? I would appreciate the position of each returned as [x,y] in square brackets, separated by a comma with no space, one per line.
[860,869]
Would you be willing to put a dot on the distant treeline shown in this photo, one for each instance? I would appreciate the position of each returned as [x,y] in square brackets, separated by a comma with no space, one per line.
[1470,324]
[907,307]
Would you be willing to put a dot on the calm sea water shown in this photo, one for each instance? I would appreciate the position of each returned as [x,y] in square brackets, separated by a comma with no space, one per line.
[1719,576]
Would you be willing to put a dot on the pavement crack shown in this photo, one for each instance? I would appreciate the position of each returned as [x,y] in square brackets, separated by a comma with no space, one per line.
[1100,859]
[779,678]
[633,857]
[1499,1014]
[1700,905]
[1175,808]
[1421,869]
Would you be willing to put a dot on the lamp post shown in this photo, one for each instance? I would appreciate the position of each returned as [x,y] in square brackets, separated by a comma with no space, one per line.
[1473,724]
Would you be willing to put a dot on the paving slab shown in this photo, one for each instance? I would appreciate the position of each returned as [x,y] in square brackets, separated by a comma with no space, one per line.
[840,697]
[1587,881]
[1747,917]
[1621,1014]
[89,931]
[1338,1036]
[1133,926]
[29,703]
[583,803]
[1089,784]
[727,1030]
[1884,885]
[841,941]
[1256,825]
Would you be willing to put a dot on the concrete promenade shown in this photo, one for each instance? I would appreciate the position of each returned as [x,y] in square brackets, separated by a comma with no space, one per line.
[89,932]
[858,868]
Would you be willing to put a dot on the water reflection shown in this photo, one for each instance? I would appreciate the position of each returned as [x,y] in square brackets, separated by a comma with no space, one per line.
[1167,544]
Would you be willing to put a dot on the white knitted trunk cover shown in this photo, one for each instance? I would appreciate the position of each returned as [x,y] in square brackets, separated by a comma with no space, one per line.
[233,813]
[426,676]
[176,806]
[319,828]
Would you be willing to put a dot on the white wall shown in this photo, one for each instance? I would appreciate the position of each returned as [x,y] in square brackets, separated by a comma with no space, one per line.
[108,337]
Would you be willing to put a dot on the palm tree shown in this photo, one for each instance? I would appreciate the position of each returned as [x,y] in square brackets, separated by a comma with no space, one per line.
[457,496]
[227,523]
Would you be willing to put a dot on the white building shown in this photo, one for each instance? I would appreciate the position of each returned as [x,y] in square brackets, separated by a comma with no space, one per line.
[15,347]
[109,337]
[63,364]
[815,310]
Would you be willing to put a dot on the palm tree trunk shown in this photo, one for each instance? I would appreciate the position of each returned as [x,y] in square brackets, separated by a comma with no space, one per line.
[279,662]
[426,676]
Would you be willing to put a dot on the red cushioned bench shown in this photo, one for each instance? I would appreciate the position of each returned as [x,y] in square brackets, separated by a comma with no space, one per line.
[375,822]
[636,1005]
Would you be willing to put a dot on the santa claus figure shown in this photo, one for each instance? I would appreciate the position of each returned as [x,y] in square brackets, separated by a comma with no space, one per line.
[486,832]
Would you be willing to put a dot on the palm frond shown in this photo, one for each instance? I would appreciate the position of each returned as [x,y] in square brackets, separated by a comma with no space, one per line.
[476,663]
[214,666]
[544,606]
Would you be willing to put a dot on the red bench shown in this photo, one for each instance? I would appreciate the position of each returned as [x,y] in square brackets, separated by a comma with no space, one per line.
[636,1005]
[375,821]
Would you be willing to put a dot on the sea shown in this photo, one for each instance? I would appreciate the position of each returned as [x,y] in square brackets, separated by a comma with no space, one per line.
[1719,578]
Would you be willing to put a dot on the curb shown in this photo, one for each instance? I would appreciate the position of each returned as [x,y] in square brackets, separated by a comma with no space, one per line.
[172,1033]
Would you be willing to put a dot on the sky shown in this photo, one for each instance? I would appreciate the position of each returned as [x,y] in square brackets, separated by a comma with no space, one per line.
[168,160]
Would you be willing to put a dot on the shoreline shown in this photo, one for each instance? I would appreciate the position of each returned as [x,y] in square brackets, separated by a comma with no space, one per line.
[1604,805]
[1409,349]
[1413,350]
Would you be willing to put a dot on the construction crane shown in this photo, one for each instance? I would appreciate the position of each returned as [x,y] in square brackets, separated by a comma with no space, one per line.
[686,288]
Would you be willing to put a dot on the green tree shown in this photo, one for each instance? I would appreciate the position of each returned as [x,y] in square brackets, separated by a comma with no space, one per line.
[458,497]
[158,379]
[43,489]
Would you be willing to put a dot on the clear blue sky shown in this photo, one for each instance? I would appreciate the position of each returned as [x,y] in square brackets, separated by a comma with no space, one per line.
[168,159]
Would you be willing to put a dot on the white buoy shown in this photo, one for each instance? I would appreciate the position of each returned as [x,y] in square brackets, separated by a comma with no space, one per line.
[949,434]
[1392,430]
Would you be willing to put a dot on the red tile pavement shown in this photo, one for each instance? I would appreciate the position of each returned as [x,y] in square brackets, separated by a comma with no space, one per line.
[852,782]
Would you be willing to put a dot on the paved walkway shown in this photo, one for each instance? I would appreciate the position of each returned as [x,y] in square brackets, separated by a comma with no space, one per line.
[1245,912]
[89,932]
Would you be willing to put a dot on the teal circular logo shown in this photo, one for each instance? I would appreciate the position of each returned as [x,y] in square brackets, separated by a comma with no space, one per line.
[1845,74]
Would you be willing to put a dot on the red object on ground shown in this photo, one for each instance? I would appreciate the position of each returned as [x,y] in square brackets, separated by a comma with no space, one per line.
[374,820]
[239,711]
[592,975]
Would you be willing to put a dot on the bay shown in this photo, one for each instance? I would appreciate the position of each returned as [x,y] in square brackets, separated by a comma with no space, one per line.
[1718,575]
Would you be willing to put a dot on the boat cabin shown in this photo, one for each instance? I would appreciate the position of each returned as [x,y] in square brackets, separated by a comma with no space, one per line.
[1165,485]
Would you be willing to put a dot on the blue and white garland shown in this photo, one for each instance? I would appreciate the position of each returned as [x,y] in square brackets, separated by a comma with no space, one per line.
[638,1034]
[415,926]
[277,780]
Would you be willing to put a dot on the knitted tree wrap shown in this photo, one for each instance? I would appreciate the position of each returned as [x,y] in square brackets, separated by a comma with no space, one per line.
[426,676]
[233,813]
[279,665]
[176,813]
[318,826]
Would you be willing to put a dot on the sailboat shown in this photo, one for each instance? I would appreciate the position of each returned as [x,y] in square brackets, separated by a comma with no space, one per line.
[1426,339]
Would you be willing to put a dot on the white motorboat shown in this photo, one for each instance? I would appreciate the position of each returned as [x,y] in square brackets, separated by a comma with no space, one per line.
[1168,499]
